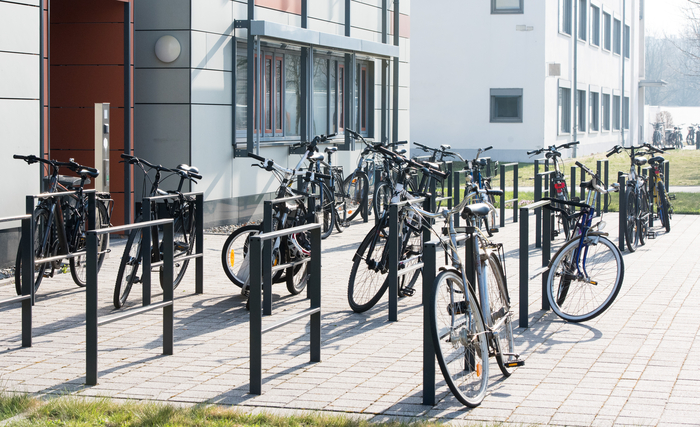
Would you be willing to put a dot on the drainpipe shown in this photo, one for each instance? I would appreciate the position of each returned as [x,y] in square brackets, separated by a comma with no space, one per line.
[575,85]
[622,56]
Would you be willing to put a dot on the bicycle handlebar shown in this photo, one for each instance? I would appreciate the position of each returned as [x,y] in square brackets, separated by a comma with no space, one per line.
[71,164]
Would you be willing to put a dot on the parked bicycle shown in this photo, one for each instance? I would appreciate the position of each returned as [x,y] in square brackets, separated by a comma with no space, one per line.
[476,176]
[558,183]
[659,197]
[658,137]
[690,138]
[437,158]
[182,209]
[585,275]
[61,223]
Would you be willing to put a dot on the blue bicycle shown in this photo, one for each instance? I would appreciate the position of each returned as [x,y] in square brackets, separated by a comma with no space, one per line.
[585,274]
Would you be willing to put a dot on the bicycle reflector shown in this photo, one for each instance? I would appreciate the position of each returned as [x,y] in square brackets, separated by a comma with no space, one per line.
[559,185]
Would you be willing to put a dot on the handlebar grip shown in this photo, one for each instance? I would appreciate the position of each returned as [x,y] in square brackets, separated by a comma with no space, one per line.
[195,175]
[529,153]
[332,135]
[256,157]
[610,153]
[17,156]
[487,148]
[495,192]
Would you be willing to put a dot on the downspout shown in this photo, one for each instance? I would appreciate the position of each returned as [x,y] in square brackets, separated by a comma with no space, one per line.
[575,85]
[622,57]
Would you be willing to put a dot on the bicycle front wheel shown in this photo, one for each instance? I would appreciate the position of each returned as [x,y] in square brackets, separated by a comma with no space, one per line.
[78,265]
[664,206]
[501,320]
[128,269]
[45,245]
[234,255]
[184,235]
[459,338]
[381,199]
[356,188]
[631,231]
[368,276]
[582,285]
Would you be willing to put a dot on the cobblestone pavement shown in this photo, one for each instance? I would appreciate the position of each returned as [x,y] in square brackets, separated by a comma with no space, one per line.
[631,366]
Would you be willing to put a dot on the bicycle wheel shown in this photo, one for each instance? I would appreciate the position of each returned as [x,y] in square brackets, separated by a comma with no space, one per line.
[368,276]
[644,215]
[382,198]
[184,236]
[631,231]
[664,206]
[297,278]
[298,247]
[459,338]
[581,286]
[45,245]
[128,268]
[78,265]
[324,208]
[411,254]
[356,189]
[501,320]
[234,255]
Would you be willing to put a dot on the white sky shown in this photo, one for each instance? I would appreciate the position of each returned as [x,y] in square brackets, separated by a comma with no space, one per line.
[665,17]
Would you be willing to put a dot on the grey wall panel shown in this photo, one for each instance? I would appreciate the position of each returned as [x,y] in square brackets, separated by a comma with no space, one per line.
[213,16]
[212,51]
[161,136]
[19,28]
[144,49]
[19,76]
[212,151]
[211,87]
[161,86]
[162,14]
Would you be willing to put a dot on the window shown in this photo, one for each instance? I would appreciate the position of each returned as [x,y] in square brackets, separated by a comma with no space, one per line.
[565,15]
[594,117]
[626,113]
[582,19]
[507,6]
[607,31]
[506,105]
[605,110]
[627,41]
[616,112]
[564,110]
[581,110]
[617,28]
[595,25]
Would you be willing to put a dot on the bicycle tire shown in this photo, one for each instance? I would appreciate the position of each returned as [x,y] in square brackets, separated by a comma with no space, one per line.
[128,268]
[234,254]
[382,198]
[411,254]
[78,265]
[574,297]
[325,212]
[50,248]
[465,369]
[644,214]
[296,277]
[567,225]
[369,273]
[499,304]
[664,206]
[184,241]
[356,188]
[631,230]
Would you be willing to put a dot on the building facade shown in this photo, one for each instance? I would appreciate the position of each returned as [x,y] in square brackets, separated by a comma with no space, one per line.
[519,74]
[201,82]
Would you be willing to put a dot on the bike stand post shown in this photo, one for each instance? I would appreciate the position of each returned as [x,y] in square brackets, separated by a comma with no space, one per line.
[450,200]
[538,211]
[377,180]
[667,172]
[199,247]
[456,194]
[607,182]
[393,262]
[267,257]
[523,260]
[146,252]
[623,211]
[572,187]
[651,205]
[546,251]
[429,273]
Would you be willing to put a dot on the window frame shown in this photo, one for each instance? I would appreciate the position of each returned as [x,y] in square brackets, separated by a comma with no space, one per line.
[595,25]
[496,93]
[626,112]
[607,32]
[566,12]
[582,102]
[626,41]
[616,112]
[564,108]
[616,37]
[582,20]
[594,111]
[605,110]
[496,11]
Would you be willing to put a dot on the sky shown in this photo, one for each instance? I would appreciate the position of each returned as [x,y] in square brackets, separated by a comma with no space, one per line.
[665,17]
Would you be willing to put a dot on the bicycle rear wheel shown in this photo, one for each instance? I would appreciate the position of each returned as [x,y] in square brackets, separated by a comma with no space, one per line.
[45,245]
[501,317]
[459,338]
[356,187]
[582,286]
[78,265]
[381,199]
[368,276]
[325,207]
[664,206]
[128,269]
[234,255]
[184,240]
[631,231]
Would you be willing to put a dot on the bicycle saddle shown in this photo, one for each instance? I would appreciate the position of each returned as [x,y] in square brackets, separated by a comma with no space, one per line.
[481,162]
[401,151]
[191,169]
[640,161]
[432,165]
[657,160]
[587,185]
[331,149]
[477,209]
[93,174]
[317,157]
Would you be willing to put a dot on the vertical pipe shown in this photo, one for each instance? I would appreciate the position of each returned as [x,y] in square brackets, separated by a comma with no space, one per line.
[91,310]
[598,170]
[385,71]
[503,196]
[315,290]
[395,124]
[667,173]
[457,194]
[515,193]
[267,260]
[28,272]
[199,263]
[128,83]
[575,85]
[607,183]
[146,250]
[169,310]
[42,89]
[393,262]
[538,211]
[449,185]
[573,182]
[546,252]
[523,260]
[255,316]
[377,181]
[622,59]
[622,223]
[429,273]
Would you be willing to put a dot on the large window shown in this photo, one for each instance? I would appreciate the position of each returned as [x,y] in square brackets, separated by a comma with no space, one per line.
[582,19]
[626,41]
[564,110]
[507,6]
[595,25]
[605,110]
[506,105]
[626,113]
[616,112]
[607,31]
[594,115]
[581,110]
[565,16]
[617,30]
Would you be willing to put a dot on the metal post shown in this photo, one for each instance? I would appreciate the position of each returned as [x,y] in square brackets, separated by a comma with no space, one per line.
[146,251]
[27,275]
[267,260]
[457,194]
[393,262]
[199,247]
[546,251]
[515,193]
[255,316]
[598,170]
[538,211]
[667,172]
[502,207]
[573,182]
[449,185]
[523,321]
[168,310]
[91,311]
[314,266]
[650,181]
[377,181]
[469,266]
[429,273]
[28,242]
[623,212]
[607,176]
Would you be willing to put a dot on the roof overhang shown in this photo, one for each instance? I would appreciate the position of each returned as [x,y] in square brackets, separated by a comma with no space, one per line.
[652,83]
[316,39]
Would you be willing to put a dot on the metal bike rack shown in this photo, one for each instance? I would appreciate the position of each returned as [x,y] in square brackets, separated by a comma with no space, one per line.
[574,185]
[261,272]
[377,180]
[539,193]
[524,257]
[267,245]
[457,192]
[603,166]
[622,210]
[198,255]
[27,297]
[92,320]
[514,200]
[448,186]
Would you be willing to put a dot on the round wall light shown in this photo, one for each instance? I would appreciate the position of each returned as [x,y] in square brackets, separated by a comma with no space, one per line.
[167,49]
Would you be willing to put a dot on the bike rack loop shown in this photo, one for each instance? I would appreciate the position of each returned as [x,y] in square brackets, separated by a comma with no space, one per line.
[523,256]
[198,255]
[622,210]
[514,200]
[267,244]
[539,193]
[394,273]
[605,169]
[261,271]
[27,297]
[92,320]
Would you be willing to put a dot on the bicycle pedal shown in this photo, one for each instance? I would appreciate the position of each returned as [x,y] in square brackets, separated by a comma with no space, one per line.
[671,197]
[181,246]
[407,292]
[493,230]
[651,235]
[514,363]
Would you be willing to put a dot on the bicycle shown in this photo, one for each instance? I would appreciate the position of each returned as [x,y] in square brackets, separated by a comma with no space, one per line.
[690,138]
[182,211]
[61,223]
[657,137]
[558,183]
[585,275]
[659,196]
[466,329]
[637,199]
[484,183]
[436,160]
[356,186]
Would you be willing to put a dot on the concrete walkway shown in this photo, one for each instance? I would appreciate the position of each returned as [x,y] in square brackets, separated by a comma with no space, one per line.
[634,365]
